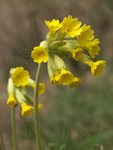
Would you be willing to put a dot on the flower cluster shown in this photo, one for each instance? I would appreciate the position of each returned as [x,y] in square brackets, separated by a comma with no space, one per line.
[68,39]
[18,84]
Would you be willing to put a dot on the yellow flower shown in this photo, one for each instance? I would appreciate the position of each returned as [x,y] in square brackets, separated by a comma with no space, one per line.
[40,106]
[11,100]
[20,76]
[65,78]
[75,82]
[86,36]
[26,109]
[97,67]
[71,26]
[93,48]
[77,53]
[39,54]
[41,89]
[53,26]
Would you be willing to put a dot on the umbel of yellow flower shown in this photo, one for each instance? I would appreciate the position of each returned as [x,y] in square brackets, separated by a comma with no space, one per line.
[39,54]
[20,76]
[11,100]
[96,67]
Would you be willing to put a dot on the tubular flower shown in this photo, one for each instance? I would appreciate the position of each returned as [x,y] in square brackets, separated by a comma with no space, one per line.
[39,54]
[93,48]
[40,106]
[77,53]
[65,77]
[11,100]
[53,26]
[41,89]
[71,26]
[96,67]
[20,76]
[26,109]
[86,36]
[75,82]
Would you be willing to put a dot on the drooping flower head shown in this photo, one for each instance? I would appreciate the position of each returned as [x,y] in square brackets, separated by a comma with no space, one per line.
[39,54]
[97,67]
[20,76]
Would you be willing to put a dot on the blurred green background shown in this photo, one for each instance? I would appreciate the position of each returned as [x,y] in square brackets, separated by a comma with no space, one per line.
[81,118]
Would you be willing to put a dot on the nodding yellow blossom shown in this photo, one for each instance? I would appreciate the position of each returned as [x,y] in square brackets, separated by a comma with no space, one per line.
[53,26]
[77,53]
[26,109]
[65,78]
[93,48]
[39,54]
[86,36]
[11,100]
[75,82]
[71,26]
[97,67]
[41,89]
[20,76]
[40,106]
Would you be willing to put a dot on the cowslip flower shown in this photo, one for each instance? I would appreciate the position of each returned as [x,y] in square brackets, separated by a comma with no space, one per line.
[77,53]
[86,36]
[53,26]
[93,48]
[26,109]
[75,82]
[96,67]
[11,100]
[40,106]
[41,89]
[39,54]
[71,26]
[65,77]
[20,76]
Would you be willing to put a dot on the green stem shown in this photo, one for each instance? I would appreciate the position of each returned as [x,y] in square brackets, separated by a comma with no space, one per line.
[13,128]
[36,106]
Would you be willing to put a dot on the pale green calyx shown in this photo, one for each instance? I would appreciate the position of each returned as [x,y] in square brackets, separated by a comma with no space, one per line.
[19,96]
[10,86]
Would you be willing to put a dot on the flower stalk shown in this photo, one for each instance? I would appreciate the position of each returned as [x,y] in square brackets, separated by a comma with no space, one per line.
[36,118]
[14,138]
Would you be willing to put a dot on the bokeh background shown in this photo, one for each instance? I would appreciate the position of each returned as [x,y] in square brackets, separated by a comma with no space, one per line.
[81,118]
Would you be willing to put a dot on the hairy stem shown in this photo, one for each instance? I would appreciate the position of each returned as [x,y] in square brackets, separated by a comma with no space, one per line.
[13,128]
[36,106]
